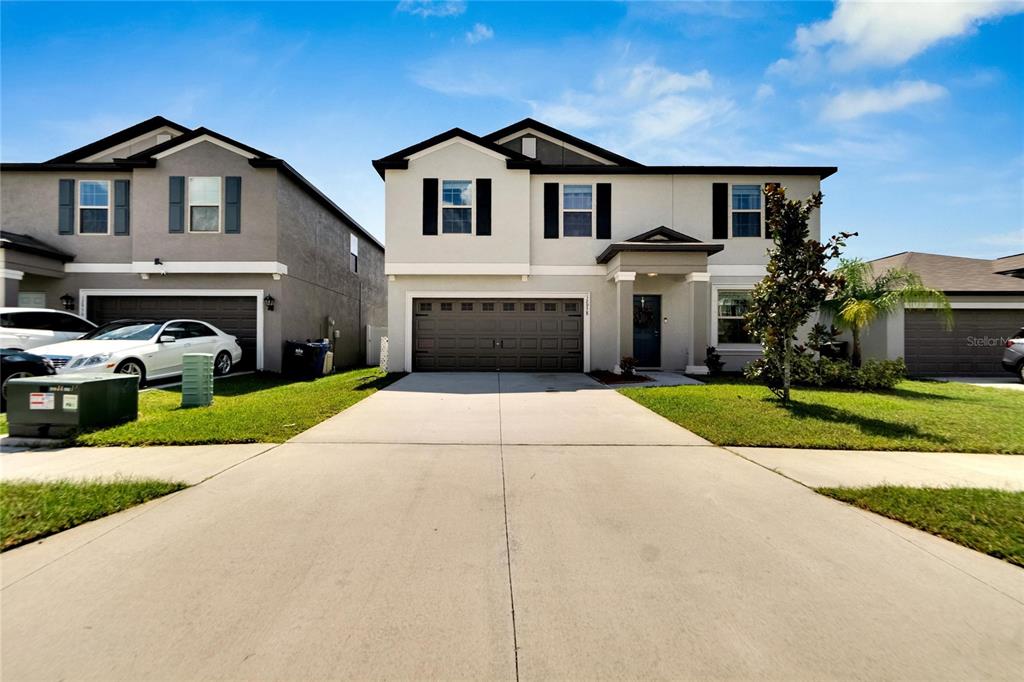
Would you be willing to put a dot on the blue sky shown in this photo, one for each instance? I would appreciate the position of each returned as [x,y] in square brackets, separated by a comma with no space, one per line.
[920,105]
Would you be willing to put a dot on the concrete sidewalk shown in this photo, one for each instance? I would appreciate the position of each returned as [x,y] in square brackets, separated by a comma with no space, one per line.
[186,463]
[859,468]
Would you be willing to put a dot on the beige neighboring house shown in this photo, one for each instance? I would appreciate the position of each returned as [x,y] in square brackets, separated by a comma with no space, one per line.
[987,297]
[160,220]
[530,249]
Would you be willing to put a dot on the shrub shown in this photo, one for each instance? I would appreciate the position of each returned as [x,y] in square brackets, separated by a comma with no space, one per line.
[628,365]
[713,361]
[831,373]
[881,374]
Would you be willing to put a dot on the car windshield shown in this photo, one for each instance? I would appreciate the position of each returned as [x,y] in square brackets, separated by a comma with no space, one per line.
[122,331]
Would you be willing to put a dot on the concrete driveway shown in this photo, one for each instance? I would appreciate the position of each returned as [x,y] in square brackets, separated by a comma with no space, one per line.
[484,527]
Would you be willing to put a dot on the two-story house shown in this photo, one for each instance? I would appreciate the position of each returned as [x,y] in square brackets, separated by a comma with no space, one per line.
[531,249]
[160,220]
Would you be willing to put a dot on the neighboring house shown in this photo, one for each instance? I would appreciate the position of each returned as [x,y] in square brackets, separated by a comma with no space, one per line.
[159,220]
[988,307]
[531,249]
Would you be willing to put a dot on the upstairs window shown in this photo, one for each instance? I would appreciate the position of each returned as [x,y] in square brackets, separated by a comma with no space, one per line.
[94,206]
[577,210]
[746,211]
[353,250]
[457,207]
[732,306]
[204,204]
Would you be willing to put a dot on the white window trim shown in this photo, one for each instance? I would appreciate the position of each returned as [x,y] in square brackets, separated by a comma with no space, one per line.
[471,207]
[256,294]
[760,212]
[562,210]
[79,207]
[409,312]
[353,250]
[715,290]
[188,204]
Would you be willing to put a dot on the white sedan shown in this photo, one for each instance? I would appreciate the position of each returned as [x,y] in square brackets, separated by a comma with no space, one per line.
[149,349]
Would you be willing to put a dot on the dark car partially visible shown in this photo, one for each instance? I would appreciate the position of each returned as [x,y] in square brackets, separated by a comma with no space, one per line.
[15,364]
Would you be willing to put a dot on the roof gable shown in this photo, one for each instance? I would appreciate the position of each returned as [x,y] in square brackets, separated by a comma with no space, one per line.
[400,159]
[532,125]
[118,139]
[194,137]
[663,235]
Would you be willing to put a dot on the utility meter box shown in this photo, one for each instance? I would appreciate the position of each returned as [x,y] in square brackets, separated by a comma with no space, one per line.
[59,406]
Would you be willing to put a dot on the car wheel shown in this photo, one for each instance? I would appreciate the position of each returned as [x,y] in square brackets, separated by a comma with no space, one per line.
[133,367]
[1020,371]
[14,375]
[223,364]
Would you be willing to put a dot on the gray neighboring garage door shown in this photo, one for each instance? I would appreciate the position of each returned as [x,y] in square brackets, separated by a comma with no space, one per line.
[235,315]
[972,348]
[480,335]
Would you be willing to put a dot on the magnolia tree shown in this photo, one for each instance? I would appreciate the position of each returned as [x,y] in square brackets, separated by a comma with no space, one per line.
[797,283]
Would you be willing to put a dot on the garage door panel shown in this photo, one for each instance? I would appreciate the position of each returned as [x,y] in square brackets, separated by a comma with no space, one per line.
[521,335]
[972,348]
[235,315]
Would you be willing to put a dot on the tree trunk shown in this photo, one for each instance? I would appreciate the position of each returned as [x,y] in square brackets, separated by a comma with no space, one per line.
[786,363]
[855,354]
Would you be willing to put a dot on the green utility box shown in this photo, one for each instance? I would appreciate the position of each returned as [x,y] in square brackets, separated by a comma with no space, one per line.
[197,380]
[59,406]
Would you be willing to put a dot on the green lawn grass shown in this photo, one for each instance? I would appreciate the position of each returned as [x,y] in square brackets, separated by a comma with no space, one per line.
[989,521]
[916,415]
[246,409]
[30,510]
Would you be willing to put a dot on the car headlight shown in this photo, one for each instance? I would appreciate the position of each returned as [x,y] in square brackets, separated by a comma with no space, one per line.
[48,362]
[96,359]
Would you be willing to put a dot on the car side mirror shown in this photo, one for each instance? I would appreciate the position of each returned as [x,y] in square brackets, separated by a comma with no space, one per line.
[167,338]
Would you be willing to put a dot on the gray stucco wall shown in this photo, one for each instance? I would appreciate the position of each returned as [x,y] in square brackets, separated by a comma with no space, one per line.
[551,153]
[315,245]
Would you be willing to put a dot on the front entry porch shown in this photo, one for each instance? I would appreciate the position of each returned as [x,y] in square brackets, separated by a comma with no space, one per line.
[663,294]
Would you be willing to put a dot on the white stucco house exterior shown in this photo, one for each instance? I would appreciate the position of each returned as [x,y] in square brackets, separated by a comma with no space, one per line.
[529,249]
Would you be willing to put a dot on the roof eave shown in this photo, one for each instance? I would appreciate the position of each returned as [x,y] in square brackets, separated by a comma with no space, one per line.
[639,247]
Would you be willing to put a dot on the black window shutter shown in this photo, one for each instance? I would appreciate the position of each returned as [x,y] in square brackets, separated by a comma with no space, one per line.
[122,207]
[550,210]
[604,210]
[767,231]
[429,205]
[176,212]
[232,204]
[720,210]
[66,207]
[483,206]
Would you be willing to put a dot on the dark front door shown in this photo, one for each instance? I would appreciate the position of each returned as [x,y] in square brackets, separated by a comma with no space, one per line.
[647,330]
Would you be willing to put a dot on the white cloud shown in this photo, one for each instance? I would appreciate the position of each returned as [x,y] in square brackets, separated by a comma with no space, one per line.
[1013,239]
[882,33]
[851,104]
[764,91]
[642,107]
[432,8]
[480,33]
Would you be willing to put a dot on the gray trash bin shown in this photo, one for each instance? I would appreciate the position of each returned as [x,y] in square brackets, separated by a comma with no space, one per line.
[59,406]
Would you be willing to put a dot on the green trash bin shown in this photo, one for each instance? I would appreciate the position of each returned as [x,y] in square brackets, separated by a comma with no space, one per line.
[197,380]
[60,406]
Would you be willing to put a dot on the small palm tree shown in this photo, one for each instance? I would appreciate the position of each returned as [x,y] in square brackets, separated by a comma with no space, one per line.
[864,297]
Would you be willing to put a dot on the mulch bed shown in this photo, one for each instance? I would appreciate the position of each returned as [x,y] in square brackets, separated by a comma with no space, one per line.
[611,378]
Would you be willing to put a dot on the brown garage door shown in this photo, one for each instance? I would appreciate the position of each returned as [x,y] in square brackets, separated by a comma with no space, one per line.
[972,348]
[524,335]
[235,315]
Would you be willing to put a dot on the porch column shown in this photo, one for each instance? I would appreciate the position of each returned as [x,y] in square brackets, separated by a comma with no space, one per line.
[700,309]
[624,289]
[12,284]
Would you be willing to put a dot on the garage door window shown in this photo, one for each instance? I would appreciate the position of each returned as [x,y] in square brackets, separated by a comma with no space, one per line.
[204,204]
